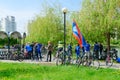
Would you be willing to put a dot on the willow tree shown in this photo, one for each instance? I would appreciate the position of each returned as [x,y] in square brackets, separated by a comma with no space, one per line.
[99,18]
[47,26]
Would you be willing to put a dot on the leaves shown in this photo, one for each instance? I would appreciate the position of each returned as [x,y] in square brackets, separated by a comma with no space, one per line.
[46,28]
[98,17]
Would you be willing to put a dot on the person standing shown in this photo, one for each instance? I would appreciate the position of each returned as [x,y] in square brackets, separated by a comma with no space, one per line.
[49,51]
[38,51]
[59,48]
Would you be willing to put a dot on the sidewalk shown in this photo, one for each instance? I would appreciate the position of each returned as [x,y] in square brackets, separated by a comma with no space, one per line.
[29,61]
[102,64]
[114,66]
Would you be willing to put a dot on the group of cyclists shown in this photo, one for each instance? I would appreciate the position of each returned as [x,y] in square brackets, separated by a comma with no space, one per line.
[33,51]
[86,50]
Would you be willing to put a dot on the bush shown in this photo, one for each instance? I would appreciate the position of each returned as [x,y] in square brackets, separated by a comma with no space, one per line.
[115,42]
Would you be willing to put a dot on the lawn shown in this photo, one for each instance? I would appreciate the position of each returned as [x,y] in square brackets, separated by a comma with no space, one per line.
[26,71]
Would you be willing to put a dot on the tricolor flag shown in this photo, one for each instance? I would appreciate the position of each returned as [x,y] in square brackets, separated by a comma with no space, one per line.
[78,35]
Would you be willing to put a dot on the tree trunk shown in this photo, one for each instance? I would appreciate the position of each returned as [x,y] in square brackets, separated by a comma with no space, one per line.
[108,41]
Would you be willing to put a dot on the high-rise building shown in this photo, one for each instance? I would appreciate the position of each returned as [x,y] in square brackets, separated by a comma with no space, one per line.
[8,24]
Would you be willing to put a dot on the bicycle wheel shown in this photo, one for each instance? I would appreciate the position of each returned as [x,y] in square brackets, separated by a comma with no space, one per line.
[79,61]
[94,63]
[68,60]
[20,57]
[85,61]
[109,61]
[58,61]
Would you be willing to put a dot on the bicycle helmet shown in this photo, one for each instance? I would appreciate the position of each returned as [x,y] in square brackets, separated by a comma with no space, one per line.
[49,42]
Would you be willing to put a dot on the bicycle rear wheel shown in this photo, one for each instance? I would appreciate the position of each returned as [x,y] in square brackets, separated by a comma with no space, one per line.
[109,61]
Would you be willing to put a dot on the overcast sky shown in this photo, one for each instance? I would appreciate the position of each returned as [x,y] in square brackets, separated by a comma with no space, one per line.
[25,10]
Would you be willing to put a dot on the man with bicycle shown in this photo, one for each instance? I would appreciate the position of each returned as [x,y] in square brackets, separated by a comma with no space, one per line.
[59,47]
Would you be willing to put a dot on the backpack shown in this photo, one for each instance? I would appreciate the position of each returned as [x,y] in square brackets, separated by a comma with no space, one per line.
[118,60]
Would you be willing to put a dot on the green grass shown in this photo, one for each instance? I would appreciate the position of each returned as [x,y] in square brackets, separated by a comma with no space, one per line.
[25,71]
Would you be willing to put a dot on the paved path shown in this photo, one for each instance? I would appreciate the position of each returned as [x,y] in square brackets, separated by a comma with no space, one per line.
[115,65]
[102,64]
[29,61]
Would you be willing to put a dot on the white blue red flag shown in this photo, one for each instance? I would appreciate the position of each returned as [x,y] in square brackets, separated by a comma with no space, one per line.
[78,35]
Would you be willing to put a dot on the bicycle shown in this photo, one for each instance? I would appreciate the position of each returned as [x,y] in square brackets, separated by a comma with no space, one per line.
[17,55]
[69,59]
[60,58]
[89,59]
[94,61]
[109,59]
[79,61]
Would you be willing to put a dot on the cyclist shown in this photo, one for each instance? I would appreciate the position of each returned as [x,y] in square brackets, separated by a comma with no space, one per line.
[83,51]
[100,49]
[28,50]
[96,50]
[60,48]
[77,51]
[69,52]
[69,49]
[87,49]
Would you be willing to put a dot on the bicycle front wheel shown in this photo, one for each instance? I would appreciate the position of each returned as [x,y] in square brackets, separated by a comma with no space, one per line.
[95,63]
[20,57]
[58,61]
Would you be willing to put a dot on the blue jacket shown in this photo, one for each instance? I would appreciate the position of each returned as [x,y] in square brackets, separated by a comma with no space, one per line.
[87,47]
[28,48]
[38,47]
[96,47]
[77,50]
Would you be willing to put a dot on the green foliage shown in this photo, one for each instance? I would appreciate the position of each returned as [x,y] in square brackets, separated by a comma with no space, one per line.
[115,42]
[25,71]
[4,42]
[98,17]
[47,27]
